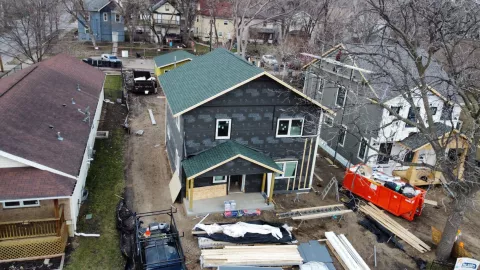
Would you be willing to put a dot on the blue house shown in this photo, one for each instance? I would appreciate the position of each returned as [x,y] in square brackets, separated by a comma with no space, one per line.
[104,20]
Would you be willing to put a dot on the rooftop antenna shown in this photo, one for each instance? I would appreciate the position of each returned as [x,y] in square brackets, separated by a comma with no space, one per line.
[59,137]
[78,87]
[86,113]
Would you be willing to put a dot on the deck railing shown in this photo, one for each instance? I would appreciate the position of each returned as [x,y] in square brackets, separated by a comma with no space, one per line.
[32,228]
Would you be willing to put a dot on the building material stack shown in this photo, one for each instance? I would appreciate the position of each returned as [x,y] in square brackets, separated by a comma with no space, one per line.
[345,252]
[268,255]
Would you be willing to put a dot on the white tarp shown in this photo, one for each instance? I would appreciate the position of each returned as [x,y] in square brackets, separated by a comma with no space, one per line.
[239,229]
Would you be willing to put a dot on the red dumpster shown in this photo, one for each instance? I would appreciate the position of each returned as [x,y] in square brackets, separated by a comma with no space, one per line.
[358,180]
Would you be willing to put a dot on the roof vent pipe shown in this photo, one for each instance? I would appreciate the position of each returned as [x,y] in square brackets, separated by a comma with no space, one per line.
[60,138]
[73,101]
[78,87]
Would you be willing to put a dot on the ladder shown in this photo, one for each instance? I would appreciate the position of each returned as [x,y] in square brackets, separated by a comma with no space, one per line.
[332,182]
[311,211]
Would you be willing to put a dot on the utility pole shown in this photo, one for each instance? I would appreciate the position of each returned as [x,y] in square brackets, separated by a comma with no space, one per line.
[211,24]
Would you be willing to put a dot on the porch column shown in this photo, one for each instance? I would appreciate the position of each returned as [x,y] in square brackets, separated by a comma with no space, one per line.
[263,182]
[191,193]
[57,216]
[187,188]
[411,174]
[270,198]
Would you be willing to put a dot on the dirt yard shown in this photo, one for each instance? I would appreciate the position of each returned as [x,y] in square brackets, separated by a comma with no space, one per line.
[148,175]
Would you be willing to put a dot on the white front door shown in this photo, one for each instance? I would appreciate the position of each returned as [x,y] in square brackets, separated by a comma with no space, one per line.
[236,183]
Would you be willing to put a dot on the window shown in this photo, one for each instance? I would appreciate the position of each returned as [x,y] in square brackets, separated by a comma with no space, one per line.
[117,17]
[166,71]
[362,150]
[395,109]
[409,156]
[87,17]
[220,34]
[459,125]
[289,127]
[220,179]
[411,116]
[167,8]
[223,129]
[105,17]
[328,120]
[446,112]
[289,170]
[18,204]
[87,30]
[341,96]
[433,110]
[342,133]
[225,22]
[454,154]
[385,148]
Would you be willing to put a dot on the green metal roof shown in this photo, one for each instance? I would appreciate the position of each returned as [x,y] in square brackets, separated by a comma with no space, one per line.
[223,153]
[169,58]
[204,78]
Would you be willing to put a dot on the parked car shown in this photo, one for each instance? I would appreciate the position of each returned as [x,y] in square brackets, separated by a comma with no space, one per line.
[269,59]
[111,58]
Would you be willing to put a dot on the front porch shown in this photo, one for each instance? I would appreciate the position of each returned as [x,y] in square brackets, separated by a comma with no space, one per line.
[34,238]
[249,201]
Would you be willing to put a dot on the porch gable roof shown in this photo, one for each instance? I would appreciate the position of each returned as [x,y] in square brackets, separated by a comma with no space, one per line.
[223,153]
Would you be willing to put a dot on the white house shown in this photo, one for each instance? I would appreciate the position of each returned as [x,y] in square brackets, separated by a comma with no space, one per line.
[49,113]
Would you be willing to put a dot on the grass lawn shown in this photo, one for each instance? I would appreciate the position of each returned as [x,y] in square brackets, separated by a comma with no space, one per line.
[113,87]
[201,49]
[105,182]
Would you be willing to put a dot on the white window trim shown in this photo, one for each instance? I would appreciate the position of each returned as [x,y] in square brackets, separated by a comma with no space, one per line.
[320,84]
[225,179]
[21,204]
[229,129]
[344,137]
[284,167]
[105,17]
[289,127]
[344,99]
[366,148]
[325,122]
[119,19]
[168,132]
[225,22]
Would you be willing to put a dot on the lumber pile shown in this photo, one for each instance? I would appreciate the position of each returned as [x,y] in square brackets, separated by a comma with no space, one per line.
[397,229]
[269,255]
[345,252]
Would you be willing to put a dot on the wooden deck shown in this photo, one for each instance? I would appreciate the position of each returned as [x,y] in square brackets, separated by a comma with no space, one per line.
[33,238]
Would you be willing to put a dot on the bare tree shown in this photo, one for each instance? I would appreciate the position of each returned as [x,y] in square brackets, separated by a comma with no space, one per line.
[409,37]
[131,11]
[187,9]
[28,29]
[79,10]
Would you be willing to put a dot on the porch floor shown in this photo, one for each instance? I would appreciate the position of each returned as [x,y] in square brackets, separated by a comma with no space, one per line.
[249,201]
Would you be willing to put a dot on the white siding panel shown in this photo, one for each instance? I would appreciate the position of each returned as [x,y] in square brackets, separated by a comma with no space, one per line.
[9,163]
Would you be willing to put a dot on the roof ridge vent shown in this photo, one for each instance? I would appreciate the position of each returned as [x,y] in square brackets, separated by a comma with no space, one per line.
[59,137]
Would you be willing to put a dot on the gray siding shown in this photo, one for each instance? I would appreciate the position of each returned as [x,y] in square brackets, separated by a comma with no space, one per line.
[254,109]
[175,141]
[361,118]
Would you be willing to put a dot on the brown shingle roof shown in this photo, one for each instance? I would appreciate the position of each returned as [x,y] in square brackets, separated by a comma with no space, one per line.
[29,182]
[33,99]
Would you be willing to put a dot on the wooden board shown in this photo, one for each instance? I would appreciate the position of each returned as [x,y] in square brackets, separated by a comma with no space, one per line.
[322,215]
[336,255]
[209,192]
[175,186]
[434,203]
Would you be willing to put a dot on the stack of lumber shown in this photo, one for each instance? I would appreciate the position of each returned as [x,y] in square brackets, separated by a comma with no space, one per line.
[391,225]
[345,252]
[269,255]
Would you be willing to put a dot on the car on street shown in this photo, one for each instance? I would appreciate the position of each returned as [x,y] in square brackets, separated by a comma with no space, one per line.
[269,60]
[110,58]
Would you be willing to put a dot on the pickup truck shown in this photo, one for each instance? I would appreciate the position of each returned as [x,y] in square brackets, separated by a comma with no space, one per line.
[158,244]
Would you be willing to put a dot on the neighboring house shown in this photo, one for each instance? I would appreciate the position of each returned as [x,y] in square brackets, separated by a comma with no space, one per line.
[105,21]
[167,20]
[233,129]
[49,113]
[344,83]
[220,14]
[169,61]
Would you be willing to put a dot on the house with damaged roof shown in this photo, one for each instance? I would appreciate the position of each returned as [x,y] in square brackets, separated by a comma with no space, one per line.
[236,132]
[49,114]
[347,77]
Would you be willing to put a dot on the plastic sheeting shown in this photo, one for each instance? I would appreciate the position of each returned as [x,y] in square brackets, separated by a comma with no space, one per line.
[245,233]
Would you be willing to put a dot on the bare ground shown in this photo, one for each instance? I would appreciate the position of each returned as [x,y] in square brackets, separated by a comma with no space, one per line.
[148,175]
